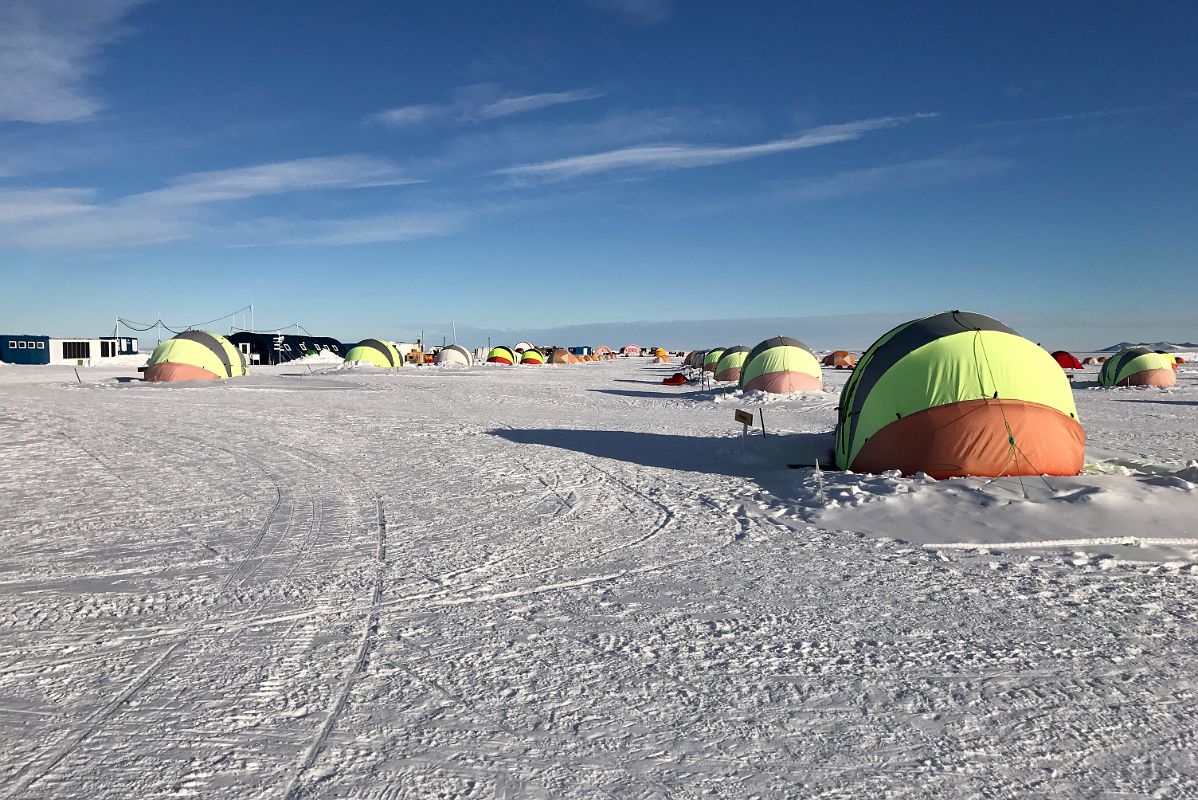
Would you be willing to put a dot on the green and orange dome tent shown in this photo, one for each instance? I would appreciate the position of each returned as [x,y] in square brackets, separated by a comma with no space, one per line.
[195,356]
[781,365]
[532,356]
[376,352]
[730,363]
[501,355]
[1138,366]
[958,394]
[712,358]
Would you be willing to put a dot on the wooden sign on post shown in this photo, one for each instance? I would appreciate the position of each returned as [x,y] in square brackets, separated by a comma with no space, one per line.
[745,418]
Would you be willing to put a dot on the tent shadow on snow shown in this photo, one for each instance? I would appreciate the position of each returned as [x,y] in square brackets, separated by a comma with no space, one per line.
[757,458]
[1164,402]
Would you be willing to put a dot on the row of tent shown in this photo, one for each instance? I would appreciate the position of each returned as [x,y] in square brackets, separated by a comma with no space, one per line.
[531,355]
[201,355]
[949,395]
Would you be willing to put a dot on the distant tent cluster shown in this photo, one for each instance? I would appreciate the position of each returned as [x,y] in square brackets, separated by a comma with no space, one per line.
[779,366]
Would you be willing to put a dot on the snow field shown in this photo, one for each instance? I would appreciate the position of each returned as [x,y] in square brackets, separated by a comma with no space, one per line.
[573,581]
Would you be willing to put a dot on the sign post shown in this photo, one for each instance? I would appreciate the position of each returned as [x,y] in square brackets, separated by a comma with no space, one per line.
[745,418]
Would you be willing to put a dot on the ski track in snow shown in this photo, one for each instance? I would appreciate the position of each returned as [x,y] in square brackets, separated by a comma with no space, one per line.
[573,581]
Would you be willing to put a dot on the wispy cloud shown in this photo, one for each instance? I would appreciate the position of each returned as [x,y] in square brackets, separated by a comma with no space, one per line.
[533,102]
[686,156]
[305,174]
[909,174]
[1084,115]
[403,116]
[638,12]
[395,227]
[72,219]
[484,101]
[25,205]
[47,49]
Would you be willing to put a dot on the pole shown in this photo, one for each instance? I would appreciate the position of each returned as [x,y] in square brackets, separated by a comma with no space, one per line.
[761,413]
[251,317]
[455,331]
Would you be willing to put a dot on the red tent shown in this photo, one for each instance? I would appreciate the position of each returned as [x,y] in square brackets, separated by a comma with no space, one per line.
[1067,360]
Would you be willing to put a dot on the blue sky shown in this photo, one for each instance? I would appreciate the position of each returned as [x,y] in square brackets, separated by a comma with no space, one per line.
[378,168]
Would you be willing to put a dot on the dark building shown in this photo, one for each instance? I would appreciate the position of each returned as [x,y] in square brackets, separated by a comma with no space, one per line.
[270,348]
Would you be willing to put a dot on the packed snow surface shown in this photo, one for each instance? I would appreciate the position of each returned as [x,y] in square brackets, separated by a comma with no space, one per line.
[572,581]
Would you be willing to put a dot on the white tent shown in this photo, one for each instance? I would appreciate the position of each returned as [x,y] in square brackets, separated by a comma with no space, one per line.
[521,347]
[454,354]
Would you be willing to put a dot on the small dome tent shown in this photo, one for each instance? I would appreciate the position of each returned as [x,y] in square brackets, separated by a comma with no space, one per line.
[195,356]
[501,355]
[376,352]
[696,360]
[781,365]
[958,394]
[521,347]
[730,363]
[630,350]
[1138,366]
[1088,360]
[1066,359]
[841,359]
[603,350]
[454,354]
[561,355]
[532,356]
[711,358]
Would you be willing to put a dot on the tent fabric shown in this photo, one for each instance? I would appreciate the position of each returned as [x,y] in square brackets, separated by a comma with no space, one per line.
[532,356]
[1088,360]
[1066,359]
[987,385]
[562,356]
[712,358]
[841,359]
[730,363]
[195,355]
[696,359]
[1138,366]
[501,355]
[602,350]
[630,350]
[521,347]
[376,352]
[454,354]
[781,365]
[959,439]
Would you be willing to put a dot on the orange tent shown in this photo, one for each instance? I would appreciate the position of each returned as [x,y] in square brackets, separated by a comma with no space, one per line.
[841,359]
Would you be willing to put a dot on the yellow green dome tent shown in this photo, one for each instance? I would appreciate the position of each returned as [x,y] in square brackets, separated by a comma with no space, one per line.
[711,358]
[1138,366]
[195,356]
[958,394]
[501,355]
[532,356]
[376,352]
[730,363]
[779,366]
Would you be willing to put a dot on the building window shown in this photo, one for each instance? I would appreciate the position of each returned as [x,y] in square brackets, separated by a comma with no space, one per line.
[41,345]
[72,350]
[22,345]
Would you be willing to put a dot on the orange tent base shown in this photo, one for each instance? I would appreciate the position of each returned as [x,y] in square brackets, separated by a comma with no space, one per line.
[172,371]
[970,438]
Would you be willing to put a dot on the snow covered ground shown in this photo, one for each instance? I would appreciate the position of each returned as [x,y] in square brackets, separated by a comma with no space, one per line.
[571,581]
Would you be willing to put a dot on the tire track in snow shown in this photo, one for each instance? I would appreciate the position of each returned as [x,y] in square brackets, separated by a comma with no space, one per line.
[293,788]
[28,775]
